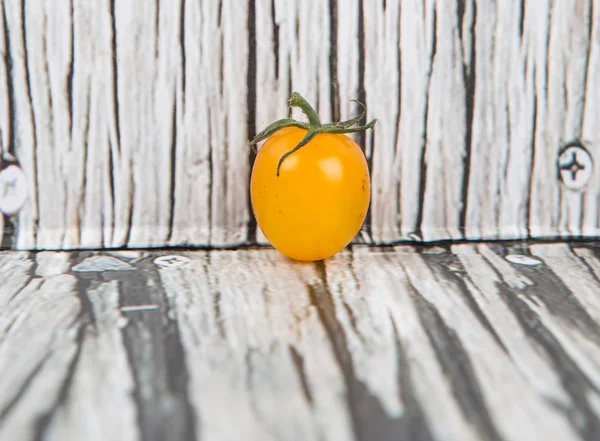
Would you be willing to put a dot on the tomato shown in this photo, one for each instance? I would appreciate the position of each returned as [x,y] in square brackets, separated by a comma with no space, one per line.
[310,201]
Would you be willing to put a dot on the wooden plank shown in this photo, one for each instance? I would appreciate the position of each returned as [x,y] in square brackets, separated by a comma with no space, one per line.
[502,123]
[44,318]
[5,98]
[104,374]
[380,77]
[99,203]
[560,87]
[21,127]
[589,257]
[48,61]
[574,272]
[194,141]
[590,205]
[498,380]
[258,344]
[391,356]
[15,268]
[211,171]
[118,118]
[146,81]
[467,342]
[484,268]
[564,330]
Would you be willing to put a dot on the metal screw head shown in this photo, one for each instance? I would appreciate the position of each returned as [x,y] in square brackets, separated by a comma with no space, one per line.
[575,167]
[13,189]
[171,261]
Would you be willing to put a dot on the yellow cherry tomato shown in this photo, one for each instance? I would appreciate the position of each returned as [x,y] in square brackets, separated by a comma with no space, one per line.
[317,203]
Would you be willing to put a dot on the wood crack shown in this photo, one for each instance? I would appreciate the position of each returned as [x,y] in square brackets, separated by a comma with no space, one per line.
[31,276]
[129,224]
[251,227]
[157,29]
[275,45]
[522,18]
[456,365]
[111,182]
[369,419]
[115,72]
[36,221]
[470,82]
[173,169]
[219,320]
[4,412]
[440,265]
[590,43]
[298,361]
[532,166]
[43,422]
[70,74]
[333,48]
[362,97]
[84,160]
[397,149]
[159,369]
[182,49]
[575,383]
[414,427]
[423,161]
[8,60]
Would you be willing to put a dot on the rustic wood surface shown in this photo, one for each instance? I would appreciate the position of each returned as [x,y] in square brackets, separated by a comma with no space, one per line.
[472,342]
[129,119]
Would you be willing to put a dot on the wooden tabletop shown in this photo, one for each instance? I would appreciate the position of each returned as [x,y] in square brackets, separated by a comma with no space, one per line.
[471,342]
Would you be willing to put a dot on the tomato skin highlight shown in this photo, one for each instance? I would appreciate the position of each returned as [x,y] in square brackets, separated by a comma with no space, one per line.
[318,203]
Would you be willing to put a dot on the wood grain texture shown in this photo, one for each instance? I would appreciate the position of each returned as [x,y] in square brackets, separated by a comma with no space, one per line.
[129,120]
[468,342]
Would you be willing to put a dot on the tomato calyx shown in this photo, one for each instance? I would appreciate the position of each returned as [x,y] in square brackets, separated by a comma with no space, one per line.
[313,127]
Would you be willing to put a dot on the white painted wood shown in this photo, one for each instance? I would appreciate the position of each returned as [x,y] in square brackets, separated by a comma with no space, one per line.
[381,83]
[499,380]
[360,303]
[223,113]
[4,95]
[377,294]
[237,330]
[588,256]
[561,89]
[49,264]
[43,318]
[15,268]
[483,286]
[130,120]
[573,271]
[103,374]
[456,343]
[40,396]
[590,205]
[192,210]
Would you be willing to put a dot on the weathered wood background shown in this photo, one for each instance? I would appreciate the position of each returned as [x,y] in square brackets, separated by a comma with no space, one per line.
[129,119]
[465,343]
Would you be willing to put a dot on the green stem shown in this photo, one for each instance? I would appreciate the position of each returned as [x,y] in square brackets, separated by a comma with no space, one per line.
[297,100]
[307,138]
[314,126]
